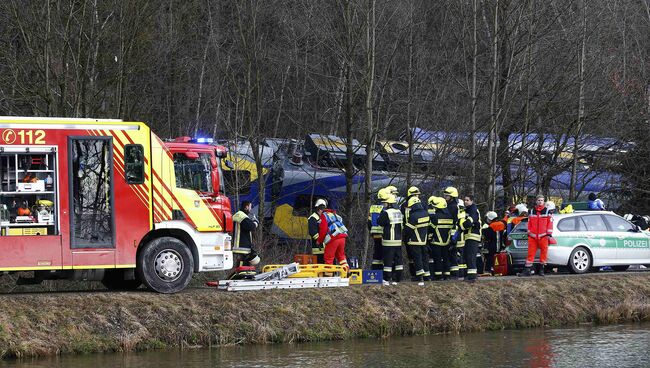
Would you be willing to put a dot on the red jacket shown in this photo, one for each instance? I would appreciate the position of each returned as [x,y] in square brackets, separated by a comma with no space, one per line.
[540,223]
[324,229]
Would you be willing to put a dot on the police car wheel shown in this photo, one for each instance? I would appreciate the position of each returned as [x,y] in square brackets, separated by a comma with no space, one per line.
[165,265]
[580,261]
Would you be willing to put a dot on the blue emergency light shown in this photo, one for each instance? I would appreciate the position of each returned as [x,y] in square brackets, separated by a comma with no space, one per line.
[204,140]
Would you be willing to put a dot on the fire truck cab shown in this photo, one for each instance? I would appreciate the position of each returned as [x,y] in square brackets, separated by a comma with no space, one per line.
[108,200]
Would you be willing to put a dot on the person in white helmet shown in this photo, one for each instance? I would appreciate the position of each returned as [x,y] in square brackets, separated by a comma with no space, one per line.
[492,238]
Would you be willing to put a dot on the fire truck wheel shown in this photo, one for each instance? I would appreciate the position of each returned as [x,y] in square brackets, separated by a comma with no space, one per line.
[114,280]
[165,265]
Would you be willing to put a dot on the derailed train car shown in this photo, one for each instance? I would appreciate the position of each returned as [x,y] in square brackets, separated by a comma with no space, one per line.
[296,173]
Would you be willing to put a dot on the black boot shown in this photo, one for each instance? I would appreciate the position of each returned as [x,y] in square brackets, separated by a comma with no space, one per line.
[525,272]
[540,270]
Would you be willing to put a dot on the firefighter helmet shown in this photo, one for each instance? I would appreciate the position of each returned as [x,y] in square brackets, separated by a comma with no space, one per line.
[461,204]
[392,189]
[413,201]
[550,205]
[383,194]
[391,199]
[320,202]
[413,191]
[437,202]
[451,191]
[491,215]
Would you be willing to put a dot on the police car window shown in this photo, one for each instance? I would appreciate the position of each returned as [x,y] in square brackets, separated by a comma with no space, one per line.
[594,223]
[571,224]
[618,224]
[521,227]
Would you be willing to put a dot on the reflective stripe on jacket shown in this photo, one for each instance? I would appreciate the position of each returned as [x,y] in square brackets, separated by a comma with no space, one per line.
[440,226]
[417,226]
[540,222]
[375,211]
[331,227]
[391,221]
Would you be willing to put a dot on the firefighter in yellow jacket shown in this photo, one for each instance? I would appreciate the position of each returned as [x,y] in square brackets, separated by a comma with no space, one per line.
[441,223]
[376,230]
[415,236]
[313,226]
[390,219]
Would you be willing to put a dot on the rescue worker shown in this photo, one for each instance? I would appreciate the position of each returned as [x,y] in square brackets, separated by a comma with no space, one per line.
[450,194]
[594,203]
[245,256]
[540,228]
[415,236]
[376,230]
[390,219]
[522,213]
[440,226]
[492,239]
[412,192]
[472,236]
[459,238]
[313,226]
[332,234]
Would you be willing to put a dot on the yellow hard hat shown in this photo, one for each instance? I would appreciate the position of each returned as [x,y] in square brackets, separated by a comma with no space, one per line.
[392,189]
[413,191]
[437,202]
[391,199]
[451,191]
[383,194]
[412,201]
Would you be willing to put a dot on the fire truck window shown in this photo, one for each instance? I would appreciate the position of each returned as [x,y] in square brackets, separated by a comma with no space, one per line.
[193,173]
[134,163]
[91,193]
[237,181]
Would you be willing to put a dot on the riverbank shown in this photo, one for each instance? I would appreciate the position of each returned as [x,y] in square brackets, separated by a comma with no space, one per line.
[86,322]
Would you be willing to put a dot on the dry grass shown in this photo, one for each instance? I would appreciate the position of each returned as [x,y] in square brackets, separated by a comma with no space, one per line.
[83,322]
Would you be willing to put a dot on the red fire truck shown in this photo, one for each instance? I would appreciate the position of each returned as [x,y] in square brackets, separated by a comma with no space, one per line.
[108,200]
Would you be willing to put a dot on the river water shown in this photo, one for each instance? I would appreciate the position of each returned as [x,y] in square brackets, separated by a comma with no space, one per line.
[588,346]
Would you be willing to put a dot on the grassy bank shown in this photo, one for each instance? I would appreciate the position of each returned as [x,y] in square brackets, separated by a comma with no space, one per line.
[84,322]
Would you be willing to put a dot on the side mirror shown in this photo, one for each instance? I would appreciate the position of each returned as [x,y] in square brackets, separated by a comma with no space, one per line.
[229,164]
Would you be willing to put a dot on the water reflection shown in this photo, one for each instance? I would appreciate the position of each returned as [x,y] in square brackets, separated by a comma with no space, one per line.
[622,345]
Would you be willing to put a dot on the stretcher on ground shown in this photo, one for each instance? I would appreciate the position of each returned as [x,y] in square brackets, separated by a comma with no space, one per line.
[289,283]
[313,270]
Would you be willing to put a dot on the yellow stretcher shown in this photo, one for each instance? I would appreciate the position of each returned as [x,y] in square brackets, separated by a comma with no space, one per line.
[313,270]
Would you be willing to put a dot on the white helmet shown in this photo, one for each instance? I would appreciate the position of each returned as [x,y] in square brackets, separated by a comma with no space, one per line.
[521,208]
[550,205]
[491,215]
[628,216]
[320,202]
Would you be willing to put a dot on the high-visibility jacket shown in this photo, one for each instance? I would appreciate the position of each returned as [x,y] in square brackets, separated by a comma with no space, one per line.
[313,226]
[391,221]
[463,222]
[417,225]
[540,223]
[243,232]
[373,226]
[474,231]
[440,226]
[331,227]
